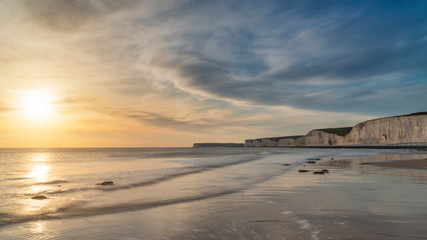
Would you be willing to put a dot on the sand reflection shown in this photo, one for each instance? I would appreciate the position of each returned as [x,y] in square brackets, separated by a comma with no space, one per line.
[44,230]
[38,227]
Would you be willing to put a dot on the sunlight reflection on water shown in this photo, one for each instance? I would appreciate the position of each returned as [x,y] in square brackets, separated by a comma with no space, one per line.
[39,168]
[40,157]
[40,173]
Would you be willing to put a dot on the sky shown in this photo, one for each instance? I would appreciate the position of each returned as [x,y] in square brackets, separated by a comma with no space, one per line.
[92,73]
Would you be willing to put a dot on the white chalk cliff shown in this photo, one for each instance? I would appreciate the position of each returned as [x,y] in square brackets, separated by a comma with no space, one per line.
[409,129]
[399,130]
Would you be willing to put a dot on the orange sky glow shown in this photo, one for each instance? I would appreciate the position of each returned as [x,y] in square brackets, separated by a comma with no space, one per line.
[167,74]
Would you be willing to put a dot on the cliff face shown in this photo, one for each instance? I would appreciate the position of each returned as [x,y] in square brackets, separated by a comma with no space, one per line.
[321,138]
[392,130]
[261,142]
[286,142]
[271,142]
[399,130]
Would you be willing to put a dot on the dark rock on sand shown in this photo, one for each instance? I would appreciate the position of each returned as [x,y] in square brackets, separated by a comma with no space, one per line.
[39,197]
[303,170]
[311,162]
[286,164]
[267,221]
[316,159]
[318,172]
[106,183]
[365,163]
[325,170]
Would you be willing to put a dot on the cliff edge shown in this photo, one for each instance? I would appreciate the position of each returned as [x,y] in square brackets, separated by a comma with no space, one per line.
[398,130]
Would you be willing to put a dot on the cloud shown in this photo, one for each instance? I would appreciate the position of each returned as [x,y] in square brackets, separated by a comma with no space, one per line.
[369,96]
[373,61]
[167,121]
[69,15]
[326,56]
[343,58]
[4,108]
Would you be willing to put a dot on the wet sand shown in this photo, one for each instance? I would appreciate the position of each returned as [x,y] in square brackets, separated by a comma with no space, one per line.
[378,197]
[415,164]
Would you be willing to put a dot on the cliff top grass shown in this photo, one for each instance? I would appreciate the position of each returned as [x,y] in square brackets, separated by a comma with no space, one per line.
[337,131]
[218,144]
[285,137]
[406,115]
[278,138]
[417,113]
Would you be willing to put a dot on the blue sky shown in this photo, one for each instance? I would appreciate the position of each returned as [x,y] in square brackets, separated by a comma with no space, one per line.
[217,70]
[367,57]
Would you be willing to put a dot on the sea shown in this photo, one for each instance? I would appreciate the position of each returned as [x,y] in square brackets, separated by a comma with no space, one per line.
[190,193]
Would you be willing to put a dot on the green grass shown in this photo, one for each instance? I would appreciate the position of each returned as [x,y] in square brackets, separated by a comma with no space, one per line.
[337,131]
[417,113]
[286,137]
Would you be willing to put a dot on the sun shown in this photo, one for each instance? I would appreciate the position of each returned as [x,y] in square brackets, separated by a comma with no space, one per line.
[38,104]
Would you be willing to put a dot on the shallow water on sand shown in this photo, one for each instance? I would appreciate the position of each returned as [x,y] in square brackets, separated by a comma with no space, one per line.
[203,193]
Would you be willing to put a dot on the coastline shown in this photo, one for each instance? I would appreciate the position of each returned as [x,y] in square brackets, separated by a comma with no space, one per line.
[414,147]
[409,147]
[392,131]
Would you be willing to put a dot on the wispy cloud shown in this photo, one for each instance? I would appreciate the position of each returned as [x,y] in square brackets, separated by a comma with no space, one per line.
[4,108]
[161,62]
[170,122]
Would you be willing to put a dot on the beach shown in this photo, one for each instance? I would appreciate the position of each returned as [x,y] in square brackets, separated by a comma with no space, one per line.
[214,193]
[415,164]
[376,197]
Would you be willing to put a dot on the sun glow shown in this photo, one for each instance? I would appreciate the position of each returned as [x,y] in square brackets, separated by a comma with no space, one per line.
[40,173]
[38,104]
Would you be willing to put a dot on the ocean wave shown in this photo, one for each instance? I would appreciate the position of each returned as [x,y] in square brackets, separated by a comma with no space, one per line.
[77,210]
[53,182]
[160,179]
[16,179]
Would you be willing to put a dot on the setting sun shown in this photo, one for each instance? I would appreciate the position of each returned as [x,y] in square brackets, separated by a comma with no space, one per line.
[37,104]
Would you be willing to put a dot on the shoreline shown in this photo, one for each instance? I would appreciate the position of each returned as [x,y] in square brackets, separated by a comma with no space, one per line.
[411,147]
[422,147]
